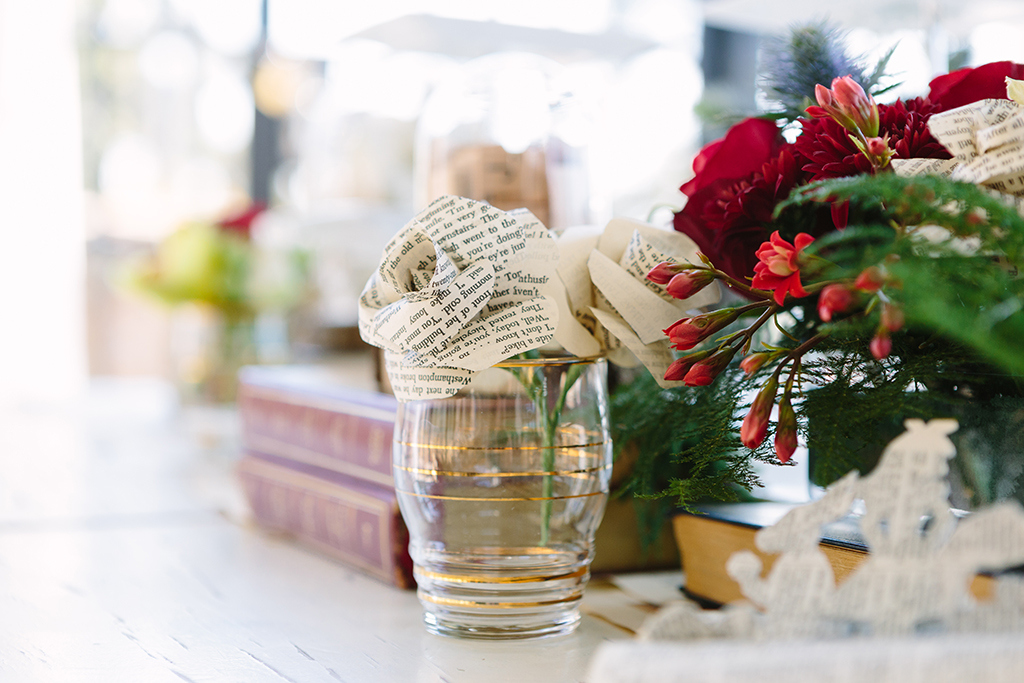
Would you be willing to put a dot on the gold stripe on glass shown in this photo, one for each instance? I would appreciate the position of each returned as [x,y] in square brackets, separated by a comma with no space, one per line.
[538,473]
[436,496]
[443,447]
[456,578]
[498,605]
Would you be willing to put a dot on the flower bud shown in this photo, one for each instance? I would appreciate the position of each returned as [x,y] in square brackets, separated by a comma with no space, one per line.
[689,282]
[705,371]
[848,105]
[663,272]
[858,104]
[877,151]
[688,332]
[877,147]
[834,299]
[881,344]
[755,361]
[680,366]
[755,424]
[785,433]
[892,317]
[870,279]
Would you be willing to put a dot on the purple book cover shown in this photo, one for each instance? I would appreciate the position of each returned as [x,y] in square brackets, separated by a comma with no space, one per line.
[301,415]
[356,522]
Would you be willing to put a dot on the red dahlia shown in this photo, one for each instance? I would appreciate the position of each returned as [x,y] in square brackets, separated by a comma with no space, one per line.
[907,126]
[828,151]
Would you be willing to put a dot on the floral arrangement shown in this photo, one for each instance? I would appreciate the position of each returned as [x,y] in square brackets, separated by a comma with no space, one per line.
[218,264]
[229,278]
[872,252]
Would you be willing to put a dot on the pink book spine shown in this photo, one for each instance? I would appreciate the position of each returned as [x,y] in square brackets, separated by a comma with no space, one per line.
[357,523]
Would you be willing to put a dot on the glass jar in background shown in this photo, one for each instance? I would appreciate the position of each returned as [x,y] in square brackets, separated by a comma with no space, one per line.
[502,487]
[508,129]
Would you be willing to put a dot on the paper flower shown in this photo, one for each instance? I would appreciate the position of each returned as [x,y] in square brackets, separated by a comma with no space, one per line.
[624,313]
[460,288]
[464,286]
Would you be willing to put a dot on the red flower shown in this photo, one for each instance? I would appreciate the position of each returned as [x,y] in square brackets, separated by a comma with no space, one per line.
[827,151]
[728,222]
[834,299]
[755,361]
[755,424]
[964,86]
[785,433]
[663,272]
[892,317]
[676,372]
[686,333]
[739,180]
[778,268]
[242,222]
[906,124]
[705,371]
[689,282]
[840,214]
[881,344]
[870,279]
[740,153]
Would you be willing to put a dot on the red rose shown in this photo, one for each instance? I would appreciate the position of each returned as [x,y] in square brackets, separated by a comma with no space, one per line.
[964,86]
[743,150]
[730,199]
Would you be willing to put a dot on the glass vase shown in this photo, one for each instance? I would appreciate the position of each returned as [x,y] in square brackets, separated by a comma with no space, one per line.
[209,348]
[502,488]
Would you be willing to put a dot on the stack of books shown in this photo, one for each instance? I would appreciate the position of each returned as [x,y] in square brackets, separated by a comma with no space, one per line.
[317,466]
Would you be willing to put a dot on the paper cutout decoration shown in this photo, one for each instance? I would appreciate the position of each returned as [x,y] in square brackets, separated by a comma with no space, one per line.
[464,286]
[917,574]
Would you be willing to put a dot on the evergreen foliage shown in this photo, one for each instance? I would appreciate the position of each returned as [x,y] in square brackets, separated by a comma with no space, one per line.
[951,251]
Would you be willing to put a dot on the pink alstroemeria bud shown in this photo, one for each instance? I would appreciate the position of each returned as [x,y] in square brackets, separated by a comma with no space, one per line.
[785,433]
[688,332]
[881,344]
[877,147]
[705,371]
[755,361]
[870,279]
[892,317]
[755,424]
[664,271]
[857,104]
[848,105]
[834,299]
[689,282]
[828,107]
[680,366]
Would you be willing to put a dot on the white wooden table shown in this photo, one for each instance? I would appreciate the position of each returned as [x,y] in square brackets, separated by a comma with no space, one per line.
[126,554]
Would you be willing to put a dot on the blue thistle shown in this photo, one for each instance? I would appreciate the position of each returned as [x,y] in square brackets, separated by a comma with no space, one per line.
[816,53]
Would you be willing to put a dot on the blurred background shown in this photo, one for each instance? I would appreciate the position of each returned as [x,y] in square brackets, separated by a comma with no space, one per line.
[139,140]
